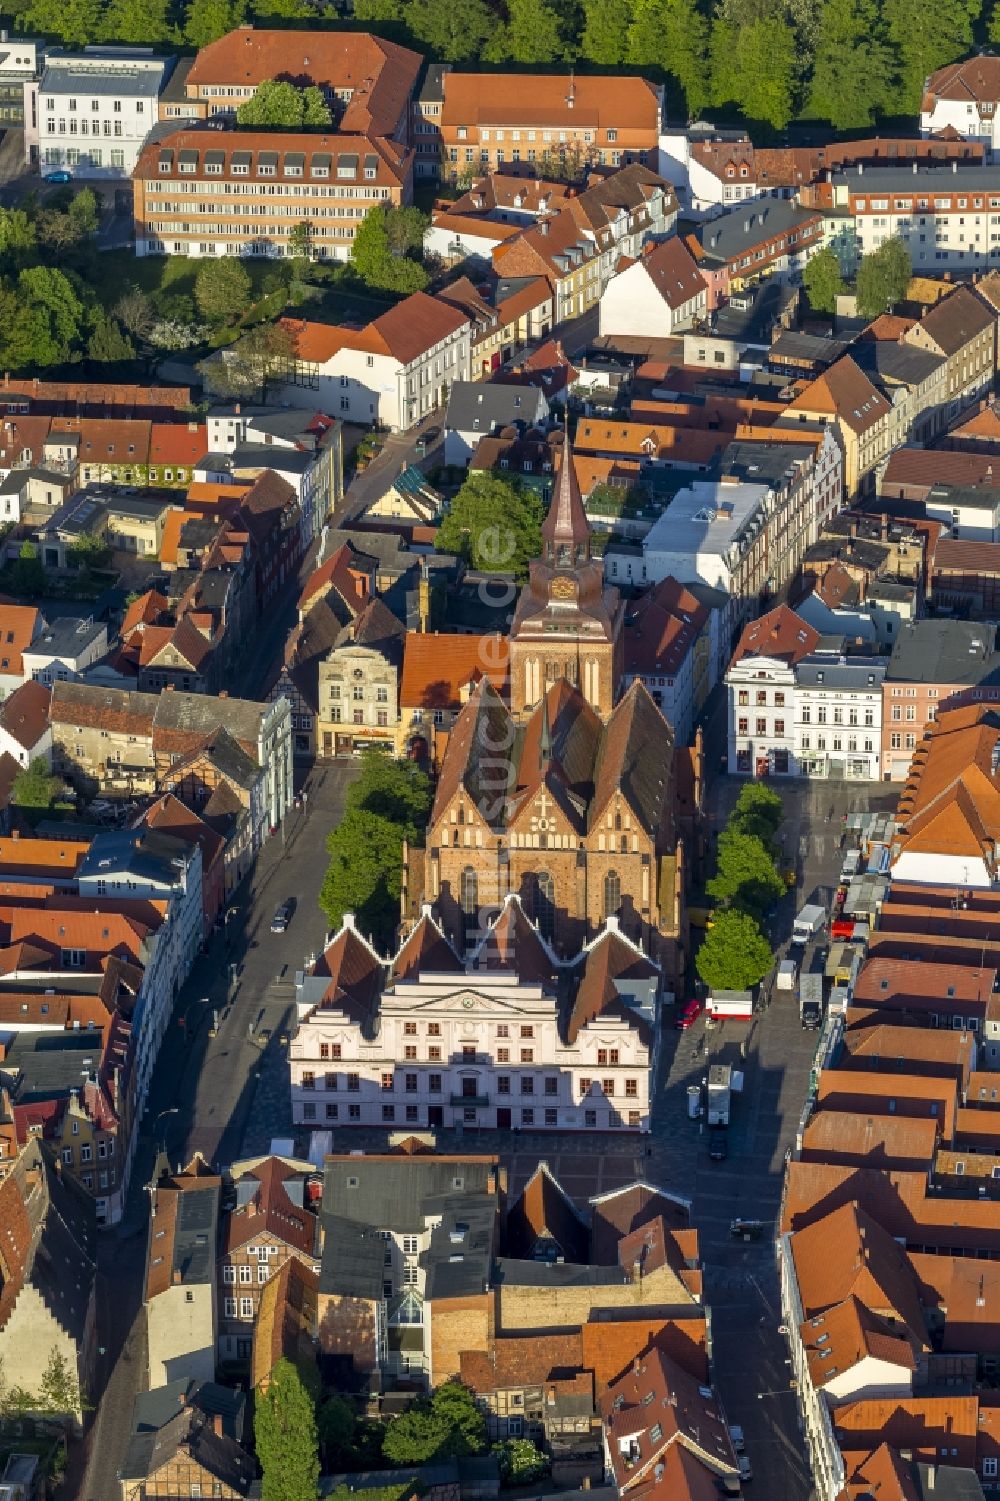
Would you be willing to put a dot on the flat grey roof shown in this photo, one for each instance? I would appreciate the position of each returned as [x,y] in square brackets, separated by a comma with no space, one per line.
[945,651]
[982,178]
[121,78]
[729,236]
[820,672]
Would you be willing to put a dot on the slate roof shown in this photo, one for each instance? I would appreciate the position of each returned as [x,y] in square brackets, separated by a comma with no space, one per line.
[190,1433]
[544,1213]
[475,406]
[389,1192]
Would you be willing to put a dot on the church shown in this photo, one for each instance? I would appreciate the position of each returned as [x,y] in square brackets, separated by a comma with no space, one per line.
[567,624]
[567,797]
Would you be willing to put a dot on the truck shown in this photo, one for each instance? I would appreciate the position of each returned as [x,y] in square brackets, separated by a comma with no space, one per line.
[787,970]
[811,1000]
[720,1085]
[809,921]
[730,1005]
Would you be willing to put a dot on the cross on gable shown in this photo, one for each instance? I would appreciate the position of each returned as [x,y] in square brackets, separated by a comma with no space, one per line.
[543,803]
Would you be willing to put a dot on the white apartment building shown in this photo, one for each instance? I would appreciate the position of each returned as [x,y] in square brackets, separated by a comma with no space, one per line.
[948,218]
[970,514]
[838,716]
[428,1043]
[799,707]
[964,97]
[96,107]
[391,373]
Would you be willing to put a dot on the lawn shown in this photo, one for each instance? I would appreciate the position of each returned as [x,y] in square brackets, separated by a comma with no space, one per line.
[116,270]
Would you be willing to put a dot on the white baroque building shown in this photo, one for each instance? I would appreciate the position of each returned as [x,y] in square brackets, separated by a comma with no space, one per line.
[515,1039]
[96,108]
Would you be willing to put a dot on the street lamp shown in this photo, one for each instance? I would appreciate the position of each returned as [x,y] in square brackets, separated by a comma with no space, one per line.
[172,1110]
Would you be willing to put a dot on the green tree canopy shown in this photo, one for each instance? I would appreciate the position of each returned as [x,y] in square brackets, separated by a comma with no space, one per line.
[247,366]
[883,277]
[520,1462]
[823,280]
[285,1437]
[754,66]
[372,254]
[531,35]
[605,31]
[17,237]
[672,37]
[850,65]
[389,802]
[41,319]
[222,290]
[734,954]
[455,30]
[206,20]
[137,22]
[27,576]
[758,810]
[745,876]
[107,344]
[493,524]
[35,786]
[282,105]
[448,1425]
[922,38]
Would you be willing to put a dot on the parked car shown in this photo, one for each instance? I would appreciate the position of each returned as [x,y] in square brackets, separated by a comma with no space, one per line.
[718,1145]
[746,1469]
[425,440]
[736,1434]
[58,176]
[281,918]
[689,1014]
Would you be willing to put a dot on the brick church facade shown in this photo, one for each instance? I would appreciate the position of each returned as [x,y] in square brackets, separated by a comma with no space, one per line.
[566,798]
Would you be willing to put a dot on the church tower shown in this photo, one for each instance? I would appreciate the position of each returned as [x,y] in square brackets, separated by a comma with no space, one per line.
[567,623]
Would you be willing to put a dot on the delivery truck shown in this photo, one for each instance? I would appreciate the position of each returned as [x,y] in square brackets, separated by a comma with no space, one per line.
[809,921]
[811,1000]
[730,1005]
[720,1085]
[787,970]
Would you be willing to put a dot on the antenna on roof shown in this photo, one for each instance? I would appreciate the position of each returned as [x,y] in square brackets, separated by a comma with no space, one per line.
[571,96]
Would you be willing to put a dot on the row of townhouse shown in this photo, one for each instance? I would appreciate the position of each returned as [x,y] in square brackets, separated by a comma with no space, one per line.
[805,704]
[743,534]
[889,1202]
[907,380]
[91,982]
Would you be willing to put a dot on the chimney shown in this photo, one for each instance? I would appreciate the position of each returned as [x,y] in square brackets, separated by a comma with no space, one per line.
[543,225]
[954,168]
[217,1423]
[551,1396]
[223,692]
[182,1399]
[424,598]
[176,1279]
[931,1477]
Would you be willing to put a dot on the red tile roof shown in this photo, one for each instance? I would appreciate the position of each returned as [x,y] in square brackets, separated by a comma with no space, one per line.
[25,714]
[437,668]
[780,635]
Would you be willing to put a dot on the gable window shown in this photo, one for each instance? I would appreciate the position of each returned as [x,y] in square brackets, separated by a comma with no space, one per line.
[470,891]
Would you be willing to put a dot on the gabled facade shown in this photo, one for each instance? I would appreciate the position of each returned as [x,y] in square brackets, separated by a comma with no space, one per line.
[518,1040]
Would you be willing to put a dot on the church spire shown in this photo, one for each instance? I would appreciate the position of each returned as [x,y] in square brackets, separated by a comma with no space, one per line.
[566,530]
[545,739]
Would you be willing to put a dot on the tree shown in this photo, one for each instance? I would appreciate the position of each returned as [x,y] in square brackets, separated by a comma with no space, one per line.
[75,22]
[745,876]
[883,277]
[285,1437]
[758,810]
[27,576]
[36,787]
[134,311]
[455,30]
[41,320]
[493,524]
[921,39]
[850,67]
[823,281]
[605,29]
[107,344]
[206,20]
[405,228]
[373,259]
[381,12]
[364,874]
[672,35]
[59,1392]
[84,212]
[17,236]
[765,58]
[247,366]
[335,1423]
[282,105]
[531,34]
[389,802]
[447,1426]
[520,1462]
[222,290]
[88,551]
[315,110]
[397,790]
[734,954]
[137,22]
